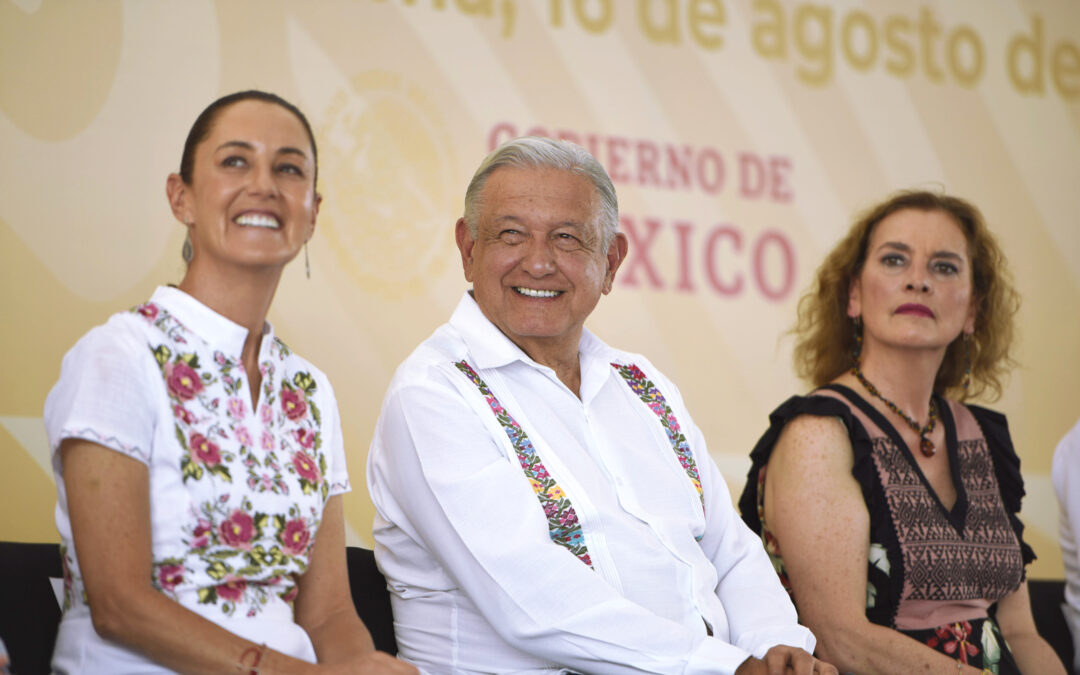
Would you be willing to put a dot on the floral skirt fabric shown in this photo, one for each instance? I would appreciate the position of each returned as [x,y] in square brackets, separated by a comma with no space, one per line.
[977,643]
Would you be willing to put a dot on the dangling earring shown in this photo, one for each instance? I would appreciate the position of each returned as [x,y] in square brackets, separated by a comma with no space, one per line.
[307,262]
[856,352]
[187,253]
[967,361]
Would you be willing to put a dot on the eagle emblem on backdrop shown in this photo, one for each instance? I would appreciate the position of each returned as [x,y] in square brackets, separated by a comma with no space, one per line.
[385,169]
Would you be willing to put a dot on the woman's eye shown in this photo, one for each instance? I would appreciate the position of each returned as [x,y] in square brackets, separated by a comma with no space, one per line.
[233,160]
[945,268]
[291,169]
[892,260]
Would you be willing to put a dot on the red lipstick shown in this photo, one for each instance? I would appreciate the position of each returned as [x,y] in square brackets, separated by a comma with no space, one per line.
[916,309]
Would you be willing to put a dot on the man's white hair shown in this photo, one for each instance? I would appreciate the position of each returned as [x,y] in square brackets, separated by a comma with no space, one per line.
[538,152]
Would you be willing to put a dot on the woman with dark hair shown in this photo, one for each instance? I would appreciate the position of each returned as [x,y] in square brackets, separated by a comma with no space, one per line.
[199,462]
[888,505]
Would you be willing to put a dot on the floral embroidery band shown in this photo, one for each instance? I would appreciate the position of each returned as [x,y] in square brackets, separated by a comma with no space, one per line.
[239,552]
[651,396]
[563,525]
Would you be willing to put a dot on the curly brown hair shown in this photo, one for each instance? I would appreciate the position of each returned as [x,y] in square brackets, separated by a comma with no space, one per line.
[825,336]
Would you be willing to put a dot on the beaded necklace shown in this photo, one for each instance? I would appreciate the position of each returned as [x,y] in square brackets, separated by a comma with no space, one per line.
[926,446]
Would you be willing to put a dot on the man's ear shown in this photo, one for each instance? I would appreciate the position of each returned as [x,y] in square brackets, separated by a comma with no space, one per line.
[465,243]
[616,254]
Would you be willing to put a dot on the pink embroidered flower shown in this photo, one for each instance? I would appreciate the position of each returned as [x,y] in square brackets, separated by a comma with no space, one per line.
[266,414]
[305,437]
[267,441]
[238,530]
[244,436]
[290,595]
[293,404]
[170,576]
[232,590]
[219,358]
[295,537]
[201,534]
[182,380]
[206,451]
[149,310]
[306,467]
[181,413]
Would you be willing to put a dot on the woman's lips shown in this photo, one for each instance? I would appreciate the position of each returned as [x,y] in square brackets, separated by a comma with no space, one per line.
[916,309]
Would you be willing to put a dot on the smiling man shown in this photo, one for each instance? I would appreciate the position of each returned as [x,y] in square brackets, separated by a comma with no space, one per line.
[544,501]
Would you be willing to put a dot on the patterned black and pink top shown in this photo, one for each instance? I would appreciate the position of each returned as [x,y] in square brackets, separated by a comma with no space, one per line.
[932,573]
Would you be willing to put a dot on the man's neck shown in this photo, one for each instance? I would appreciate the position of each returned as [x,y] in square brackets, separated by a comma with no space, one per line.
[561,356]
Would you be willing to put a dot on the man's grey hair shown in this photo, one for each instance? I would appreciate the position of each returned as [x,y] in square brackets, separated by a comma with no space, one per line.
[538,152]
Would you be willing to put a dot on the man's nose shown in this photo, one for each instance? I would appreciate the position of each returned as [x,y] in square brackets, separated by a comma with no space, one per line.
[539,259]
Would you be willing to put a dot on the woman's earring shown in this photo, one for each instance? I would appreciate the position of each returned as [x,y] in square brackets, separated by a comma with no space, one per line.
[187,252]
[967,361]
[307,262]
[856,352]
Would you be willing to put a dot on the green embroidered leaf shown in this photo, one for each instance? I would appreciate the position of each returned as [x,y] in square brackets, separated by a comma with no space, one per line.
[180,437]
[305,381]
[222,471]
[190,469]
[315,412]
[279,522]
[191,358]
[208,596]
[162,354]
[217,570]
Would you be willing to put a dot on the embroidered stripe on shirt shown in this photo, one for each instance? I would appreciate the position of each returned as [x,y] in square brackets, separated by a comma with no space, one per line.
[651,396]
[563,525]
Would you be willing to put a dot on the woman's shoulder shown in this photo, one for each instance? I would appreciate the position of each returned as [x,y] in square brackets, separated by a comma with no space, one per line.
[121,336]
[830,401]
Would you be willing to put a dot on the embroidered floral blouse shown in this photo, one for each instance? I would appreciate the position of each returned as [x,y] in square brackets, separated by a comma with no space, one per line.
[237,487]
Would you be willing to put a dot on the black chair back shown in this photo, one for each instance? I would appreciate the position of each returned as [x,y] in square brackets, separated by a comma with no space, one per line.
[29,612]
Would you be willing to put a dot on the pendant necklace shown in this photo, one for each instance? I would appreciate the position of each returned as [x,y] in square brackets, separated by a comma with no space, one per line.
[926,446]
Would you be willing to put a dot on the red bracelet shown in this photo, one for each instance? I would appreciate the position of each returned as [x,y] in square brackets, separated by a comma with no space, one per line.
[256,657]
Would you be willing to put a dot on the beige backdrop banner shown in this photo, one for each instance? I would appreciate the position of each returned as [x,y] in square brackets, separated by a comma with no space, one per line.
[742,135]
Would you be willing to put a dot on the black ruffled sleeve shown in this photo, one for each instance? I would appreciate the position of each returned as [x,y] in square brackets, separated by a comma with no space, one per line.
[1007,469]
[819,406]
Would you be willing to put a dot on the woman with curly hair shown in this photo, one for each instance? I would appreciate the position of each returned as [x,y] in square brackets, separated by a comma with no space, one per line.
[888,505]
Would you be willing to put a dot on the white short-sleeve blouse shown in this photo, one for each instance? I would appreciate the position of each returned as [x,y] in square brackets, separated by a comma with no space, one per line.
[237,487]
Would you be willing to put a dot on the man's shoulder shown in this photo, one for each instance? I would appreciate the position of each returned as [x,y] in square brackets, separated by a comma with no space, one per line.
[597,349]
[442,349]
